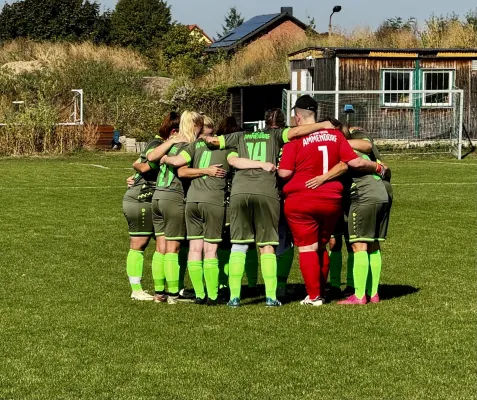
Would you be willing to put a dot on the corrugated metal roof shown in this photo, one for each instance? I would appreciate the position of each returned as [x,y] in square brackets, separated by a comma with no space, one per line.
[382,52]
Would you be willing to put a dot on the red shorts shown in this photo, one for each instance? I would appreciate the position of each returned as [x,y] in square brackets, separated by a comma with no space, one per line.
[311,220]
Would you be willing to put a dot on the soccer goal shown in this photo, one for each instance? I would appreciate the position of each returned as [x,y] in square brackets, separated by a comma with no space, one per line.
[418,121]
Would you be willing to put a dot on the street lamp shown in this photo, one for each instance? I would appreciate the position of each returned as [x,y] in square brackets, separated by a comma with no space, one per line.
[336,9]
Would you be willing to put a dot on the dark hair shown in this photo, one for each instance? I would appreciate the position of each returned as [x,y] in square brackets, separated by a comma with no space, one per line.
[338,125]
[275,118]
[227,125]
[170,123]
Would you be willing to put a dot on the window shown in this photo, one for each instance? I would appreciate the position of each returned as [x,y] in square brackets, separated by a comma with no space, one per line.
[437,80]
[397,80]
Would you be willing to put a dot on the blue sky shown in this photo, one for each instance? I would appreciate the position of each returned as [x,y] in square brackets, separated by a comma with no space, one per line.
[209,14]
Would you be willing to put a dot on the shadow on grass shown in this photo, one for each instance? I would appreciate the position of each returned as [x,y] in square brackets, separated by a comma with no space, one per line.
[388,292]
[297,292]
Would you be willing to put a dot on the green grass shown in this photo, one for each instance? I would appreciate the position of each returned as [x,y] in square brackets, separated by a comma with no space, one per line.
[68,329]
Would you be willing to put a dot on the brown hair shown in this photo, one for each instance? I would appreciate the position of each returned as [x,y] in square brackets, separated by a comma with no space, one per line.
[275,118]
[170,123]
[227,125]
[338,125]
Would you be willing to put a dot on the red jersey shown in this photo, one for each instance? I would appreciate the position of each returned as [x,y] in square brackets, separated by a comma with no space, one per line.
[315,155]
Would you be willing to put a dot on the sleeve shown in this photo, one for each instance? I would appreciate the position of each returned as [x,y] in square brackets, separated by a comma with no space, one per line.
[282,136]
[288,160]
[150,147]
[232,153]
[188,152]
[365,136]
[228,141]
[346,152]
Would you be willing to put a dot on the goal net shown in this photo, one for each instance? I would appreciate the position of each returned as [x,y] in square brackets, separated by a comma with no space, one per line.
[412,121]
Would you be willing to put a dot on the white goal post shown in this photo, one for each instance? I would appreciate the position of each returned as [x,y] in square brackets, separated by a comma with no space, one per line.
[427,120]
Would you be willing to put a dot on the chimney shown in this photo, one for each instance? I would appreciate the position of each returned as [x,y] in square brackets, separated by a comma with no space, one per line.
[287,10]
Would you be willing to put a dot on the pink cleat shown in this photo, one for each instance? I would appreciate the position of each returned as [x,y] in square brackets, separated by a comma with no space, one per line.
[374,299]
[353,300]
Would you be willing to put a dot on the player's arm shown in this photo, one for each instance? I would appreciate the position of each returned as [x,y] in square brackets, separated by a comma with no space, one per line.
[245,163]
[362,145]
[348,156]
[175,161]
[335,172]
[211,171]
[285,174]
[303,130]
[224,141]
[161,150]
[142,167]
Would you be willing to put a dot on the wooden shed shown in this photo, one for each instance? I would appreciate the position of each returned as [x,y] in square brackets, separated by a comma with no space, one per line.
[249,103]
[351,69]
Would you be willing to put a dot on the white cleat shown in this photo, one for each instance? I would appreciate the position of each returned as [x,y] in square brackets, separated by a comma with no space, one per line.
[172,299]
[141,295]
[319,301]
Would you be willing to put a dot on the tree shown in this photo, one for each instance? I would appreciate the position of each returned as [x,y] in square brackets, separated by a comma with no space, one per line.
[52,20]
[232,20]
[181,53]
[140,23]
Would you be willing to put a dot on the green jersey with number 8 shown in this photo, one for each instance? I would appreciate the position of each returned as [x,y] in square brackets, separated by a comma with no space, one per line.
[261,146]
[206,189]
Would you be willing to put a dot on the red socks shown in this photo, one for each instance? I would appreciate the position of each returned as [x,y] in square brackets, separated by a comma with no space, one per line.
[310,269]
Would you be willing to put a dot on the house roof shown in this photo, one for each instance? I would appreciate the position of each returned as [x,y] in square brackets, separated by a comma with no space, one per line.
[330,52]
[192,27]
[252,28]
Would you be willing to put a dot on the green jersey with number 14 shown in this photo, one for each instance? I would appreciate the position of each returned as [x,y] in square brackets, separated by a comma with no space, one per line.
[206,189]
[261,146]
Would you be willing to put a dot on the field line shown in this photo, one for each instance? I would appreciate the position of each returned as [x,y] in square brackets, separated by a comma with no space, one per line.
[434,183]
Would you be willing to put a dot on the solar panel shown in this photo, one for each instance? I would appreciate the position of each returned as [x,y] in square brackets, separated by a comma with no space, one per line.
[243,30]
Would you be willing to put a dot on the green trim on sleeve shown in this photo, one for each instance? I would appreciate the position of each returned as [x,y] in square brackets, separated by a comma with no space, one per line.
[221,142]
[232,154]
[149,151]
[186,155]
[285,135]
[153,165]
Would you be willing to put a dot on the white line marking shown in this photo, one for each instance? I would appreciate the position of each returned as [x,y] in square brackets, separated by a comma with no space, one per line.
[91,165]
[434,183]
[125,187]
[447,163]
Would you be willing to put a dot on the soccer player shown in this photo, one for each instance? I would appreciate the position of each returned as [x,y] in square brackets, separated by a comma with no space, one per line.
[137,205]
[368,220]
[168,207]
[313,213]
[204,214]
[254,202]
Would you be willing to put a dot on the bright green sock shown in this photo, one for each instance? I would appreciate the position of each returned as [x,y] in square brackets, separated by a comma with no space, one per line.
[251,267]
[336,264]
[349,270]
[211,274]
[196,277]
[269,272]
[236,269]
[183,257]
[158,272]
[224,256]
[172,270]
[375,265]
[284,266]
[134,267]
[360,273]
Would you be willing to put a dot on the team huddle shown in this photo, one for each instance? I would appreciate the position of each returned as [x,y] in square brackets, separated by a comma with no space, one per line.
[227,194]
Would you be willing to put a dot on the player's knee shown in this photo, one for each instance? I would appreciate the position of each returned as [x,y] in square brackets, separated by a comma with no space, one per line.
[172,246]
[239,248]
[311,247]
[139,243]
[361,246]
[267,250]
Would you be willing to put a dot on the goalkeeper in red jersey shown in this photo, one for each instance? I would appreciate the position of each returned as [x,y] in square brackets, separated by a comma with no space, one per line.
[313,213]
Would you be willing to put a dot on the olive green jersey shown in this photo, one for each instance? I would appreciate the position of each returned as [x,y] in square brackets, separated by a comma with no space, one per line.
[206,189]
[169,186]
[143,187]
[367,188]
[262,146]
[374,156]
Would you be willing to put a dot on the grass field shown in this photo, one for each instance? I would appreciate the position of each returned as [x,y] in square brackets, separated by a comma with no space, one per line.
[69,330]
